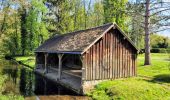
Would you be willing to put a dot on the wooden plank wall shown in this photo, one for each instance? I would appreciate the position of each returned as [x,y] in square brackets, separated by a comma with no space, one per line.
[110,58]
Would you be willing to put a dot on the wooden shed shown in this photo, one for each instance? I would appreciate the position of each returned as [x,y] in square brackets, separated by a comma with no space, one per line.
[80,59]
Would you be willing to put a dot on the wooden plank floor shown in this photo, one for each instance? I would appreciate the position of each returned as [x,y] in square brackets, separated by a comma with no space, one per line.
[67,80]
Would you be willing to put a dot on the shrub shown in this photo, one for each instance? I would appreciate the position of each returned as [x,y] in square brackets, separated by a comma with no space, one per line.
[160,50]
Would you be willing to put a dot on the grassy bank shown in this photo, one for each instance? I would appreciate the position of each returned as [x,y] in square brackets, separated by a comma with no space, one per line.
[27,60]
[152,82]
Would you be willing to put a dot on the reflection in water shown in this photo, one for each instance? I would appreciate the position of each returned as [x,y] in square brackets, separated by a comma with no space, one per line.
[46,87]
[29,84]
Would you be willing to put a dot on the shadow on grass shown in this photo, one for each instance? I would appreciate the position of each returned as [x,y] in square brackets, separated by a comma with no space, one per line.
[162,78]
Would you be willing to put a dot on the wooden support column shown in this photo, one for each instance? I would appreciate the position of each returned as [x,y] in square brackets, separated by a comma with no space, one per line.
[59,65]
[83,67]
[36,60]
[46,59]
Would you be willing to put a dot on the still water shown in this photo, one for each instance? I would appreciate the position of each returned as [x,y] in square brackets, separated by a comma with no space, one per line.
[24,81]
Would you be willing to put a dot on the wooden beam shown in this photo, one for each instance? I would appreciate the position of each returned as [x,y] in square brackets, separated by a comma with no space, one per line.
[82,58]
[59,65]
[46,57]
[36,60]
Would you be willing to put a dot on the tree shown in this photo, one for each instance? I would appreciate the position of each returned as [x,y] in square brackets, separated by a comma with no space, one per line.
[135,29]
[114,11]
[35,25]
[156,19]
[158,41]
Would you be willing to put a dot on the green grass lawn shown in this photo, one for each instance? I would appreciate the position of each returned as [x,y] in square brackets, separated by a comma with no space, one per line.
[160,65]
[152,82]
[28,60]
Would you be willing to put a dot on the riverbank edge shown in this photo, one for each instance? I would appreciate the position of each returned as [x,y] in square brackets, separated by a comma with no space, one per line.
[19,62]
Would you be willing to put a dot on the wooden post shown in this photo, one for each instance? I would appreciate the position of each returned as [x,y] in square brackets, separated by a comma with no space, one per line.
[59,65]
[46,57]
[36,60]
[83,66]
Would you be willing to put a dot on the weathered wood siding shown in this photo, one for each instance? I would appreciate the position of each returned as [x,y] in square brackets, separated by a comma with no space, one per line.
[110,58]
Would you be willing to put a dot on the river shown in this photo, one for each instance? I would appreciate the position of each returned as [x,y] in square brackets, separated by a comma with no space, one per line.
[23,81]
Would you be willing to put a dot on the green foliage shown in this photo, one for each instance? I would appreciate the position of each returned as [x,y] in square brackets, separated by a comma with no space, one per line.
[114,11]
[3,88]
[135,29]
[160,50]
[11,97]
[158,41]
[23,27]
[35,26]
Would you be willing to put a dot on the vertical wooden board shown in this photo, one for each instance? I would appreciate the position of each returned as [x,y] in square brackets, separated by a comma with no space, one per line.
[91,63]
[99,49]
[97,61]
[94,62]
[87,65]
[132,64]
[117,54]
[106,47]
[111,55]
[84,65]
[122,59]
[114,54]
[105,58]
[135,63]
[127,59]
[102,59]
[121,71]
[93,69]
[108,62]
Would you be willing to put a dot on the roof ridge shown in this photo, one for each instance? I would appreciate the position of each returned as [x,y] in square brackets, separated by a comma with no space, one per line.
[84,29]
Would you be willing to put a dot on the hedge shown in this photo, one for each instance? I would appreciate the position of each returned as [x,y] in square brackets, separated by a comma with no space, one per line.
[160,50]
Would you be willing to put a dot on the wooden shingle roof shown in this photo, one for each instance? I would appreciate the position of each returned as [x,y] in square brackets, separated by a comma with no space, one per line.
[77,42]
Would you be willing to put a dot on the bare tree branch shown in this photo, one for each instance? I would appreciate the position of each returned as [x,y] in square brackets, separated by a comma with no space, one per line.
[160,30]
[159,12]
[155,8]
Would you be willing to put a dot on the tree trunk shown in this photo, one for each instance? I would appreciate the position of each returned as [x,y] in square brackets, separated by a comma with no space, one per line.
[147,35]
[85,17]
[23,31]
